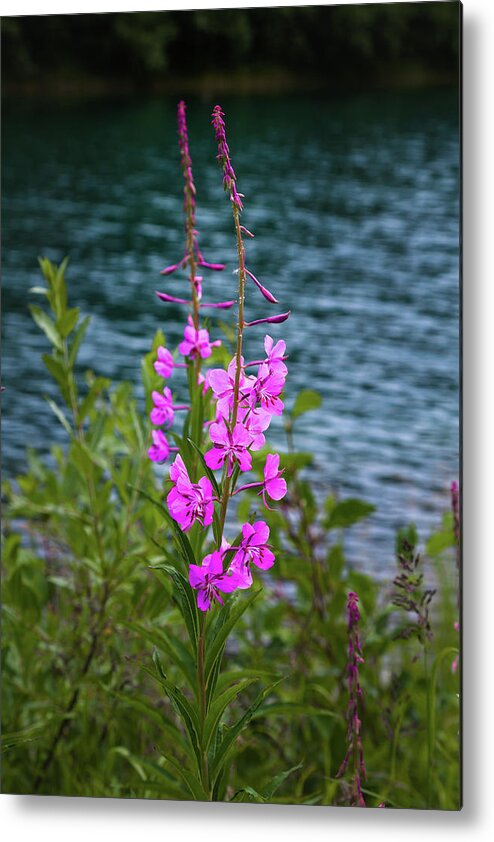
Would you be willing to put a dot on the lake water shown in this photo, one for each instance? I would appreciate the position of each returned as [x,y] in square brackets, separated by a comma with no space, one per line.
[354,202]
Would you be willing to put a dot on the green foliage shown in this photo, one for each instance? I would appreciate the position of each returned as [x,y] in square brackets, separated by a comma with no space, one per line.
[345,514]
[343,43]
[305,401]
[103,643]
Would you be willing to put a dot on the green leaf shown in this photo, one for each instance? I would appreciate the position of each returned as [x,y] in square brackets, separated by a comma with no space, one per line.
[60,415]
[182,706]
[306,401]
[252,793]
[77,339]
[134,762]
[56,369]
[439,542]
[172,646]
[47,326]
[347,513]
[26,735]
[145,708]
[228,618]
[67,322]
[98,386]
[218,708]
[280,779]
[192,782]
[185,599]
[227,745]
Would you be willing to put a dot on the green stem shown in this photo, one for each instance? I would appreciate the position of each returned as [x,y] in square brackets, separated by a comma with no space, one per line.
[201,684]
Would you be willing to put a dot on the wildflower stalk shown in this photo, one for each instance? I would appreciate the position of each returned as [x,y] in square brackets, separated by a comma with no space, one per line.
[238,354]
[242,407]
[190,222]
[411,596]
[354,739]
[189,208]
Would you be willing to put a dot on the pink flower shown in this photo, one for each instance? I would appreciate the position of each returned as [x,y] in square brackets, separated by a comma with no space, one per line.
[164,364]
[267,294]
[229,445]
[196,342]
[189,501]
[275,355]
[253,548]
[209,578]
[267,388]
[256,421]
[274,485]
[217,267]
[160,451]
[271,320]
[223,385]
[163,413]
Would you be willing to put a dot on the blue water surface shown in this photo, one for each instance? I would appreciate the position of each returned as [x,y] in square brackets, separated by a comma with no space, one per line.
[354,203]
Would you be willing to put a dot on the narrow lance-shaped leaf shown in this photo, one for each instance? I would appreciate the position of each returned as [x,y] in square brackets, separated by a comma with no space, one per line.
[216,646]
[227,745]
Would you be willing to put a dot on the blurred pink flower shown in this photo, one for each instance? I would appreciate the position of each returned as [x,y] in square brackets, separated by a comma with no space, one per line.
[209,578]
[189,501]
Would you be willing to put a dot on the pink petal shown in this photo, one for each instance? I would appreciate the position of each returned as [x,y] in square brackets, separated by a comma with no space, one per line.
[208,514]
[218,380]
[169,269]
[196,576]
[276,488]
[228,583]
[282,317]
[241,435]
[272,465]
[203,601]
[265,560]
[206,488]
[178,469]
[214,458]
[245,460]
[170,298]
[219,434]
[217,267]
[215,563]
[261,536]
[247,531]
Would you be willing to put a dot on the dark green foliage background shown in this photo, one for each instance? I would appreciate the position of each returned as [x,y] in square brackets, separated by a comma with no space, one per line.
[330,45]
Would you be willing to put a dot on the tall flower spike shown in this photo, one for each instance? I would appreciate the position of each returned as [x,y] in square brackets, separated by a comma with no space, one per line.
[229,177]
[455,507]
[354,740]
[228,438]
[193,256]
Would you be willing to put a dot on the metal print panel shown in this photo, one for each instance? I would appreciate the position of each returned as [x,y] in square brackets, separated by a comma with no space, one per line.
[232,538]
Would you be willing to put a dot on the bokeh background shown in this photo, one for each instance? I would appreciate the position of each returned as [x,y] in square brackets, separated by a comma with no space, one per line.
[344,131]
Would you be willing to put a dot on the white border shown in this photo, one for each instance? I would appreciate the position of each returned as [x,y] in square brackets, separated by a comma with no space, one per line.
[54,819]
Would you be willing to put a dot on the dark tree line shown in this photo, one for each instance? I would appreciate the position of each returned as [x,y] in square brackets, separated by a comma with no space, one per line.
[354,42]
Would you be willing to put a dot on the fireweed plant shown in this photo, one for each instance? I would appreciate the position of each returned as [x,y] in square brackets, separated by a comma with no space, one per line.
[228,413]
[355,751]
